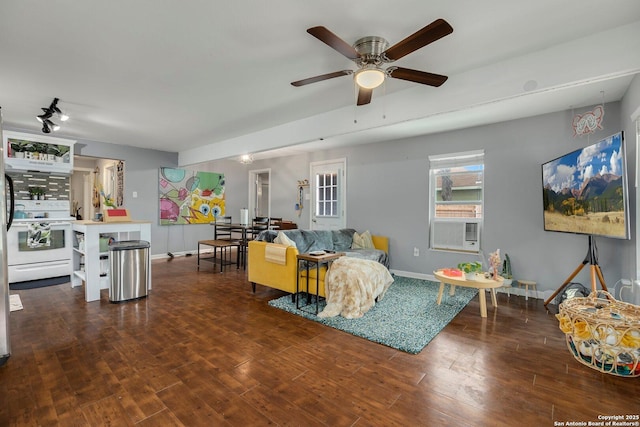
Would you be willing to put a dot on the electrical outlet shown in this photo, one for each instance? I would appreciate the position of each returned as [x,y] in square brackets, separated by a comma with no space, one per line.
[416,252]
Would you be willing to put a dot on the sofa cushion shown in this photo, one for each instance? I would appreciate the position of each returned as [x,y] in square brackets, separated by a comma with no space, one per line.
[362,241]
[321,240]
[342,239]
[283,239]
[267,236]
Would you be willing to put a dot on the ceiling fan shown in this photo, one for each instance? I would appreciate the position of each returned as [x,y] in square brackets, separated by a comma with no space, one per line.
[370,52]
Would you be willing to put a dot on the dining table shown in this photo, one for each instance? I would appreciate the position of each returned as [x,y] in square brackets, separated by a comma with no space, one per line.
[242,230]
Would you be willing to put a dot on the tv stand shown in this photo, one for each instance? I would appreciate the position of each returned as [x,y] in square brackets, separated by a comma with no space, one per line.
[592,259]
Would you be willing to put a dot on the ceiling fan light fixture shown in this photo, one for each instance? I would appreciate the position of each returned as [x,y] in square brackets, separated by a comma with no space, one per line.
[369,78]
[246,159]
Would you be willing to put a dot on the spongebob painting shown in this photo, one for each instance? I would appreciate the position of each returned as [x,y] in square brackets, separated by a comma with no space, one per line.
[190,197]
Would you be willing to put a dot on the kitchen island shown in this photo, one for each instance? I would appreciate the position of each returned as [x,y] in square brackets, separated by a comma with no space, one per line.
[90,263]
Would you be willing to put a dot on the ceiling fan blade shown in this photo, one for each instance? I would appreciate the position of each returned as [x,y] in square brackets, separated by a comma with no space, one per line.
[432,32]
[333,41]
[417,76]
[321,78]
[364,96]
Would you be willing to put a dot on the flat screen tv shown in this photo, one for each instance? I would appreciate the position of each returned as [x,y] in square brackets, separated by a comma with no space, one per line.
[585,191]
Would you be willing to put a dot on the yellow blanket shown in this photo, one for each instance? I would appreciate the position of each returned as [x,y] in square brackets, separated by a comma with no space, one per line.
[276,253]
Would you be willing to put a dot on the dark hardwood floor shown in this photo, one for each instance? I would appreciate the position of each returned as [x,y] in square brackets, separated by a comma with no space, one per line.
[203,350]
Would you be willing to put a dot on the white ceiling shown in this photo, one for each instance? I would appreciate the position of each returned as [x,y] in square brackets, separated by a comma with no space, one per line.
[212,79]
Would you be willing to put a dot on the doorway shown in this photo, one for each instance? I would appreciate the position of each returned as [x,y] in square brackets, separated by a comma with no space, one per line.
[328,194]
[260,193]
[89,175]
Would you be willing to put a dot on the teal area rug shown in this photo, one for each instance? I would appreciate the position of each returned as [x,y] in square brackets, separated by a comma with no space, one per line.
[406,319]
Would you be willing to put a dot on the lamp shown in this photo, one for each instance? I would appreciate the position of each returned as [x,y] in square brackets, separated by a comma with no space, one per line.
[246,159]
[44,118]
[369,77]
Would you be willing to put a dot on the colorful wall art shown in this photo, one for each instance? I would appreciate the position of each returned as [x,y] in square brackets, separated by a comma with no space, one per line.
[190,197]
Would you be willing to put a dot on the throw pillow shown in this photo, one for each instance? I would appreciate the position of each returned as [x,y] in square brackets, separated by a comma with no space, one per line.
[282,239]
[362,241]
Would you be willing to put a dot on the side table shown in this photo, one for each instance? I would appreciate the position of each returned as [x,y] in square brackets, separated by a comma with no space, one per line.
[480,283]
[318,260]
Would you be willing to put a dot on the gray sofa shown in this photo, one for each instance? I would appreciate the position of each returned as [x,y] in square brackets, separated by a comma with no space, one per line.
[327,240]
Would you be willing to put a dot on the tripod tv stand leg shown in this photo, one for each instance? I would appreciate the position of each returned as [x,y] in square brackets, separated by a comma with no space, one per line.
[592,259]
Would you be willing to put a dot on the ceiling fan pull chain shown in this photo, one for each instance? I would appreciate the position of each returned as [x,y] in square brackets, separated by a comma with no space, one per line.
[384,100]
[355,105]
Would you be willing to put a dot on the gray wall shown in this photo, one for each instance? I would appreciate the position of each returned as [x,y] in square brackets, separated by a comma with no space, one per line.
[630,105]
[387,187]
[388,194]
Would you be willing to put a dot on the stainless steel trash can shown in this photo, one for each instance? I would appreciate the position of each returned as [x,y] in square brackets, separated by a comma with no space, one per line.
[129,270]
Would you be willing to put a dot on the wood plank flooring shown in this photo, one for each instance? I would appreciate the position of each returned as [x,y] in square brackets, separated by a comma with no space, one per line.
[203,350]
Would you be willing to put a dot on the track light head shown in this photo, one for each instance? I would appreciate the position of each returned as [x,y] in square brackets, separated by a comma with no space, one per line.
[48,125]
[44,116]
[51,125]
[54,108]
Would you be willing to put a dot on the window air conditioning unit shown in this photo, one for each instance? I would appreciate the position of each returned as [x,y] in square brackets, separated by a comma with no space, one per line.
[455,234]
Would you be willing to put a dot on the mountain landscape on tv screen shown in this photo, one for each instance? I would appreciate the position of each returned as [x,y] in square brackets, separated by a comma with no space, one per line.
[602,193]
[585,191]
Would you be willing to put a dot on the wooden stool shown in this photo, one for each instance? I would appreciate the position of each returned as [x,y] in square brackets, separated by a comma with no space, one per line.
[526,284]
[507,285]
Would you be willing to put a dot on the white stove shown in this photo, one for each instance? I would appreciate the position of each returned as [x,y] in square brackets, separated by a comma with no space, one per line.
[40,245]
[51,210]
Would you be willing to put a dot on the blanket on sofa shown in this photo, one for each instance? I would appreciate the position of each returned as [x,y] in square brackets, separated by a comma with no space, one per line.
[352,286]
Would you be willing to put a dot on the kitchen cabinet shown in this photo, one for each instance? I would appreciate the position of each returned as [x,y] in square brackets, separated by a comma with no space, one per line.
[90,262]
[28,152]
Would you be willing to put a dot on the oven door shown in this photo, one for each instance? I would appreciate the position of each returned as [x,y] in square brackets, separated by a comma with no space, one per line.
[38,250]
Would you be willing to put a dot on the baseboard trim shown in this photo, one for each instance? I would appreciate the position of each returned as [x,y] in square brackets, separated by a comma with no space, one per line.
[412,275]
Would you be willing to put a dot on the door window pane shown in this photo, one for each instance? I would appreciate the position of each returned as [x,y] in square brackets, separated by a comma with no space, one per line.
[327,194]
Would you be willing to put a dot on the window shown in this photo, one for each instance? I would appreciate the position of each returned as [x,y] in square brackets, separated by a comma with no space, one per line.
[327,194]
[456,196]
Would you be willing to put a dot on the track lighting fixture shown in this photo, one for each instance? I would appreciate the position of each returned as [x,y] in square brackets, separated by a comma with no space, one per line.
[44,118]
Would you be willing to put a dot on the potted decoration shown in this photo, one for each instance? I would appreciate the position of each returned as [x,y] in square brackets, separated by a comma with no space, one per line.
[52,152]
[494,264]
[40,151]
[37,193]
[17,148]
[30,150]
[470,269]
[507,275]
[63,154]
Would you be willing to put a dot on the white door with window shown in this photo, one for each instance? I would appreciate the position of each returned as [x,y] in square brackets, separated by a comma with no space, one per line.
[328,194]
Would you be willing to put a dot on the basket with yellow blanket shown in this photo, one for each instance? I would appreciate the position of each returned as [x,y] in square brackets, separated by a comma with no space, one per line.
[603,333]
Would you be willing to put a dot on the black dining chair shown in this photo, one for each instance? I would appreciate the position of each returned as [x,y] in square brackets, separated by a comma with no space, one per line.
[274,223]
[259,224]
[221,232]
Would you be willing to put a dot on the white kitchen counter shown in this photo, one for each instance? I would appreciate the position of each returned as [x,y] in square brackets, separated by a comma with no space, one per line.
[90,232]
